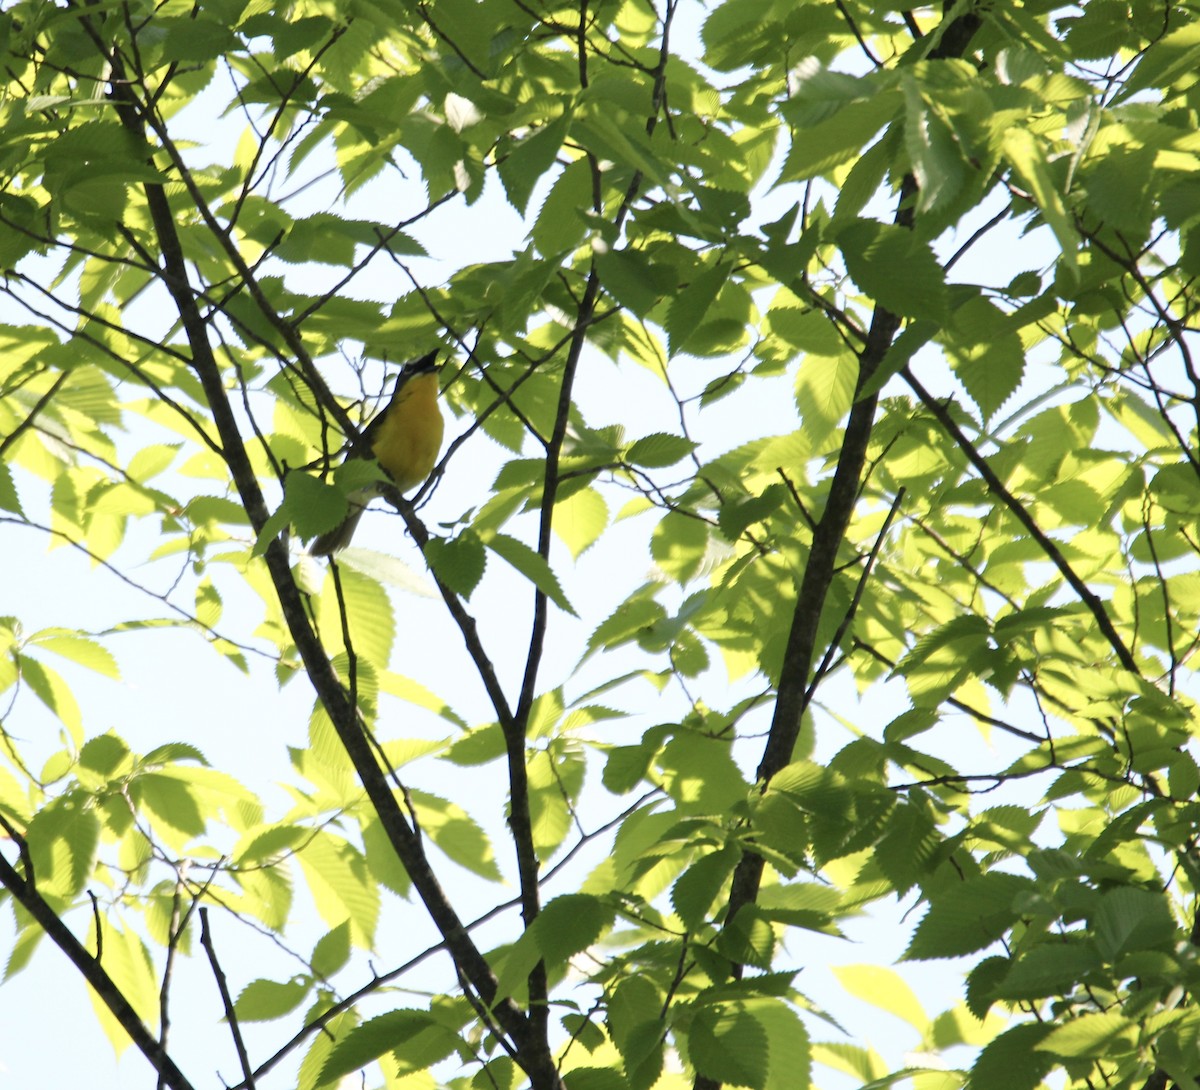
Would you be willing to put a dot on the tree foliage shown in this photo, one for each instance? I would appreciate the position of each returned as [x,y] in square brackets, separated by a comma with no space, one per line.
[967,237]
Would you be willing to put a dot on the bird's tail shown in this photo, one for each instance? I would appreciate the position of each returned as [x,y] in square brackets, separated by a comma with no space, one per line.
[333,541]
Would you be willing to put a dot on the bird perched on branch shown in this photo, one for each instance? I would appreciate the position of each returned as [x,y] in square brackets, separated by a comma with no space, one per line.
[406,438]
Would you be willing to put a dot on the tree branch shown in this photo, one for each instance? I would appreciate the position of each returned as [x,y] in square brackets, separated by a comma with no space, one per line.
[226,1000]
[1022,515]
[331,693]
[93,972]
[794,693]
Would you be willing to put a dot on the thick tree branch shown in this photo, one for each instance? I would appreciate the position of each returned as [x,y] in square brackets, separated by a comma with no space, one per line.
[795,692]
[26,894]
[342,713]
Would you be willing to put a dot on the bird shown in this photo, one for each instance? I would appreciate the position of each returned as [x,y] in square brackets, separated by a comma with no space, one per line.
[406,438]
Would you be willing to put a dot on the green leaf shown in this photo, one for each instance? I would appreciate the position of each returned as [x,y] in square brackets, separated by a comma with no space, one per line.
[802,904]
[895,268]
[57,767]
[584,1029]
[457,834]
[1129,919]
[555,777]
[1013,1061]
[127,962]
[1045,970]
[912,338]
[171,803]
[732,31]
[1094,1036]
[933,151]
[564,927]
[679,545]
[569,924]
[195,40]
[23,950]
[9,500]
[944,658]
[982,982]
[368,615]
[638,614]
[382,861]
[527,161]
[499,1073]
[636,1027]
[634,280]
[580,520]
[604,127]
[331,240]
[691,304]
[789,1061]
[1028,160]
[208,604]
[819,149]
[312,505]
[738,514]
[18,230]
[63,838]
[264,1000]
[863,1064]
[729,1044]
[1174,55]
[589,1078]
[986,353]
[105,754]
[477,746]
[78,649]
[384,569]
[968,917]
[291,36]
[312,1067]
[173,753]
[700,774]
[531,565]
[332,951]
[560,225]
[473,25]
[1121,189]
[416,1035]
[459,562]
[809,330]
[825,392]
[340,884]
[54,692]
[1183,776]
[260,845]
[885,989]
[659,450]
[698,887]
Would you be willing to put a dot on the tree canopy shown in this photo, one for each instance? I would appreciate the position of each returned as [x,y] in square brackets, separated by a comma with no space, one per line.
[953,248]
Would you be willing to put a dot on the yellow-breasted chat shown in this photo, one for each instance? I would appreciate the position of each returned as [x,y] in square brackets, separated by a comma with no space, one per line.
[406,438]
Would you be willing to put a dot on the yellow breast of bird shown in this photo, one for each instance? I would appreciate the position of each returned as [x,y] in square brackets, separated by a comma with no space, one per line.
[410,434]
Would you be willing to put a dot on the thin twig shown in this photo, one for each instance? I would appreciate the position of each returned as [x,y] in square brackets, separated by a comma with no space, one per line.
[858,35]
[226,1000]
[38,406]
[1022,515]
[836,640]
[320,1021]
